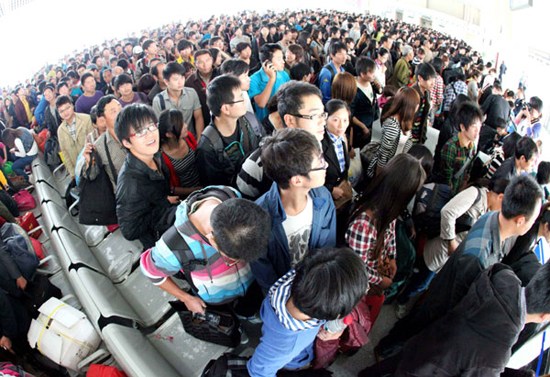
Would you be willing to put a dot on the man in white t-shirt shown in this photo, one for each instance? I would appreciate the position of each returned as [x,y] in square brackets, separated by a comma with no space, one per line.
[302,210]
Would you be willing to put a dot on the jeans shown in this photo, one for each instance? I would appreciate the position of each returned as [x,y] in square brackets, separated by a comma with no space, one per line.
[20,164]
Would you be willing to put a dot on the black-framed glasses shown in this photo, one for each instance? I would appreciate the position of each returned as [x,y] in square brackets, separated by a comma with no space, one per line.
[229,262]
[151,127]
[322,116]
[324,164]
[234,102]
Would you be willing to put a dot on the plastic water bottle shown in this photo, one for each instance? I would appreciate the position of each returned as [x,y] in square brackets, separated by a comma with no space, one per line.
[338,325]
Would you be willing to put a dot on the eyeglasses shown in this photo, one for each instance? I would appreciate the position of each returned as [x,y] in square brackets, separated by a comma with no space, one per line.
[152,127]
[229,262]
[234,102]
[324,164]
[322,116]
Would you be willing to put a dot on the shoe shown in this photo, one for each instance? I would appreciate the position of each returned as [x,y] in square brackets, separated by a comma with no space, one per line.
[401,311]
[254,319]
[244,337]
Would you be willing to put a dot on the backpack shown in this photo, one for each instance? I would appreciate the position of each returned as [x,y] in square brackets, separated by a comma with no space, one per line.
[214,136]
[332,73]
[429,201]
[51,153]
[227,365]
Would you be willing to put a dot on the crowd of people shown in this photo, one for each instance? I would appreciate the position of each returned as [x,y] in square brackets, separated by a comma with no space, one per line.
[248,139]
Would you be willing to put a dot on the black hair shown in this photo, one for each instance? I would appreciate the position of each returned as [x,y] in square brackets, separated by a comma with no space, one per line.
[536,103]
[133,117]
[241,229]
[145,83]
[61,85]
[334,105]
[426,71]
[122,79]
[537,292]
[122,63]
[85,76]
[389,193]
[468,113]
[146,44]
[299,70]
[291,99]
[498,185]
[234,67]
[423,154]
[509,144]
[289,142]
[62,100]
[364,65]
[543,173]
[311,293]
[241,46]
[267,51]
[526,147]
[183,44]
[103,102]
[521,197]
[172,68]
[336,47]
[170,120]
[220,92]
[437,63]
[201,52]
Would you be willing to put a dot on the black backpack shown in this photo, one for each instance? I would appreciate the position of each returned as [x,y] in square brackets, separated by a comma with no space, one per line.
[227,365]
[51,153]
[431,198]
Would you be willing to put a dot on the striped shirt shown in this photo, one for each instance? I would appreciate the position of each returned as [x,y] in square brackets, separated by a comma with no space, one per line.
[279,294]
[186,169]
[391,133]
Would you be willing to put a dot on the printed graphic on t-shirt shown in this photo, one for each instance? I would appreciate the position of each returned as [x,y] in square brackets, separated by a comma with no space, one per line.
[298,244]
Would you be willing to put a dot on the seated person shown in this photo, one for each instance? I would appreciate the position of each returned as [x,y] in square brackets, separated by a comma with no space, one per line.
[229,139]
[300,303]
[145,205]
[223,233]
[72,131]
[458,153]
[89,98]
[302,209]
[22,145]
[178,152]
[523,160]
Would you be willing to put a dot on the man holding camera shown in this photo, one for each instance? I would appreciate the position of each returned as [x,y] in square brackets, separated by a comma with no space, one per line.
[528,119]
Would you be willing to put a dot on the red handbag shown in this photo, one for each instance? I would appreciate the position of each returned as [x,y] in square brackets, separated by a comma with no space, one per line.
[28,222]
[25,201]
[38,249]
[98,370]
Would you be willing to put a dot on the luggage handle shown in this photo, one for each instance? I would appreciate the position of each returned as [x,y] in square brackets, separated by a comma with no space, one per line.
[93,358]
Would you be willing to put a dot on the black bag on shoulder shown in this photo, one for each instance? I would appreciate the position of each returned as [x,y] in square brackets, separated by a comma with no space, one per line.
[431,198]
[215,326]
[97,203]
[227,365]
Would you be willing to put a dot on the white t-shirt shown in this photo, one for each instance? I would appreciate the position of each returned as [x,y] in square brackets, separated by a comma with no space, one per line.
[298,229]
[403,137]
[367,90]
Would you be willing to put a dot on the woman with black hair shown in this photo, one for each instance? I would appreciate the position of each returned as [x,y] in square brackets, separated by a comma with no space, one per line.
[22,145]
[178,152]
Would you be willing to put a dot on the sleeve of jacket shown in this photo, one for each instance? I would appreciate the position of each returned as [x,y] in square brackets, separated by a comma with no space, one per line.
[39,111]
[210,171]
[455,208]
[7,261]
[64,140]
[325,84]
[263,269]
[328,236]
[21,114]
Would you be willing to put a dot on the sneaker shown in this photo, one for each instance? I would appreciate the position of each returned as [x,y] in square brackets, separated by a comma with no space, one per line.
[244,337]
[254,319]
[401,311]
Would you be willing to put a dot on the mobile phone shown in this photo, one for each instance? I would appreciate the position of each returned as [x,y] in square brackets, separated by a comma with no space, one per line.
[90,138]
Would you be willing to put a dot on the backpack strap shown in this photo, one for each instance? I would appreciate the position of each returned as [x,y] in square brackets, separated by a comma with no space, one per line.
[111,165]
[332,71]
[175,242]
[162,103]
[212,134]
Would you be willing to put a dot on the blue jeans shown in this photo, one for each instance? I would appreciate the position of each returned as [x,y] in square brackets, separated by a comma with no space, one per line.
[20,164]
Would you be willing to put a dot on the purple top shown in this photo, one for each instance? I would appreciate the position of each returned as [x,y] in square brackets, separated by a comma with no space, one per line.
[139,97]
[84,104]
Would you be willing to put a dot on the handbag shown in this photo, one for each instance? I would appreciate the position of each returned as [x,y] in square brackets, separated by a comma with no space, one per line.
[345,185]
[215,326]
[97,203]
[25,201]
[28,222]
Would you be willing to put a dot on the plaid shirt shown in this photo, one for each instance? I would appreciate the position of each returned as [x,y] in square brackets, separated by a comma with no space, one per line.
[452,91]
[453,157]
[338,143]
[361,237]
[437,93]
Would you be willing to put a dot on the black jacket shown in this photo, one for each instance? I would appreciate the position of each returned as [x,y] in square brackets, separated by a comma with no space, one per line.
[475,338]
[334,177]
[365,111]
[142,208]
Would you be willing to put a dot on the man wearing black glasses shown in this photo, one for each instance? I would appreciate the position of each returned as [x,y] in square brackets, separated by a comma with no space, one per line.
[229,138]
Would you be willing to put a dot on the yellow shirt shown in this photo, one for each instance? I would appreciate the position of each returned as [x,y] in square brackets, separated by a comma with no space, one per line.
[27,108]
